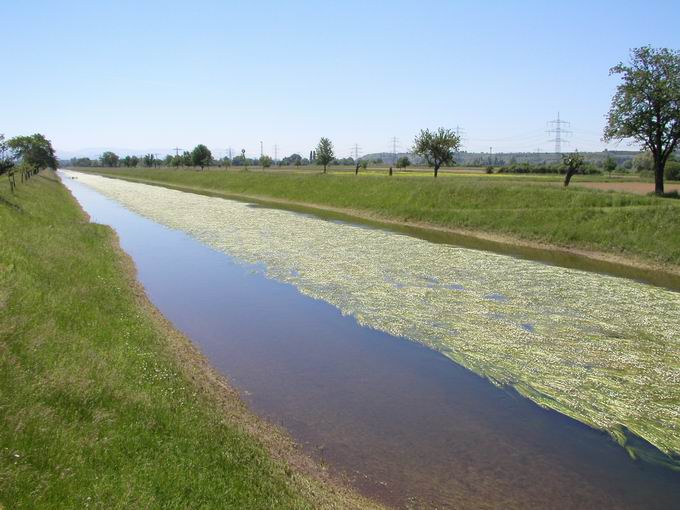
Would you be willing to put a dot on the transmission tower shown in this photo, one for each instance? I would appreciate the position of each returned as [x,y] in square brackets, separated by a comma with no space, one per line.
[177,149]
[356,150]
[395,143]
[556,129]
[276,152]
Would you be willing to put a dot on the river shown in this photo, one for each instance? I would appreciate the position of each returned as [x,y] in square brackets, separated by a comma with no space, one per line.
[345,335]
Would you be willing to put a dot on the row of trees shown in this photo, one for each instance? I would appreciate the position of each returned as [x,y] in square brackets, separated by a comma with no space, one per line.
[645,108]
[25,155]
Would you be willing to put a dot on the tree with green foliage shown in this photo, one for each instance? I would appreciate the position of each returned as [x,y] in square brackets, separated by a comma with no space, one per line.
[573,163]
[201,156]
[324,152]
[403,162]
[437,148]
[609,165]
[6,162]
[35,152]
[646,105]
[265,161]
[109,159]
[148,160]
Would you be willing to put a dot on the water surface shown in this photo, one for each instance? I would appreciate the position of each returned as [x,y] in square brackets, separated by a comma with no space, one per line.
[403,421]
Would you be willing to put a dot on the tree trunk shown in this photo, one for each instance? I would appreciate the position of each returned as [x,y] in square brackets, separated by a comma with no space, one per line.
[658,176]
[324,169]
[356,170]
[436,170]
[567,178]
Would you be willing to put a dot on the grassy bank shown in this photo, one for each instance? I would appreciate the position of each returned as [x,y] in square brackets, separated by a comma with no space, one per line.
[526,208]
[102,403]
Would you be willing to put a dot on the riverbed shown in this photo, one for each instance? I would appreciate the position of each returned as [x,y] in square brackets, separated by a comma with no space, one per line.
[354,339]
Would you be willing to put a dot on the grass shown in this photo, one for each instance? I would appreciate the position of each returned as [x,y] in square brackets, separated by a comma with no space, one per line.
[530,208]
[102,404]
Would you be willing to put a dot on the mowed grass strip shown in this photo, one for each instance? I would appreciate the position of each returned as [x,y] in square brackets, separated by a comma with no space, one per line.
[100,404]
[642,227]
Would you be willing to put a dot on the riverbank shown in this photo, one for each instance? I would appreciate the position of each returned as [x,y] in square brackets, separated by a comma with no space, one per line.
[104,404]
[620,228]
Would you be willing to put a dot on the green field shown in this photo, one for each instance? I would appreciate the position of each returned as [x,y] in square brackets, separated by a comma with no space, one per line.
[530,208]
[103,404]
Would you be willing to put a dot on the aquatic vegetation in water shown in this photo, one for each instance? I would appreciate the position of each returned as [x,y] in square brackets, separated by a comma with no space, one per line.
[603,350]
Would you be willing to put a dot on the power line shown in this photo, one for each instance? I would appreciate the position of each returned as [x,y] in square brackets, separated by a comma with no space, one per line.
[557,129]
[176,149]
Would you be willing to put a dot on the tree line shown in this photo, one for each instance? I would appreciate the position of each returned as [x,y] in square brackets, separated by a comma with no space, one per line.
[644,108]
[26,156]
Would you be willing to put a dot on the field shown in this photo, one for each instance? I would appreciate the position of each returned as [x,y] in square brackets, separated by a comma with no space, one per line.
[529,208]
[103,404]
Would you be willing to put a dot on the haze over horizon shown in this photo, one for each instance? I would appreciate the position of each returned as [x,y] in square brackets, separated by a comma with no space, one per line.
[167,74]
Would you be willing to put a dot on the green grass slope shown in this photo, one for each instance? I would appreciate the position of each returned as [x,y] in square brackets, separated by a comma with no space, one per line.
[97,408]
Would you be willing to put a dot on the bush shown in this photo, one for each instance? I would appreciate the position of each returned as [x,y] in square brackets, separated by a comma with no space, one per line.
[545,168]
[672,171]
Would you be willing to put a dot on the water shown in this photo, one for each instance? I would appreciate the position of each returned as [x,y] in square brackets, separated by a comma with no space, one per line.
[404,422]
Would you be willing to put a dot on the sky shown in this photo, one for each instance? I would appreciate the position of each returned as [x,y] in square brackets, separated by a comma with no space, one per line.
[152,75]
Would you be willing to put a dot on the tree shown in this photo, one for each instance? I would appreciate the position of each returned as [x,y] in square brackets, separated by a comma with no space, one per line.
[646,105]
[324,152]
[6,162]
[573,163]
[609,165]
[35,152]
[148,160]
[109,159]
[201,156]
[403,162]
[436,147]
[265,161]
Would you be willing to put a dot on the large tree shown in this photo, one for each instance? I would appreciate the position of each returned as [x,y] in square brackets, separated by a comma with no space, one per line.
[438,147]
[201,156]
[324,152]
[646,105]
[35,151]
[110,159]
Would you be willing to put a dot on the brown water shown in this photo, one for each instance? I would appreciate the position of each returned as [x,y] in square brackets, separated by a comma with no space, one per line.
[406,424]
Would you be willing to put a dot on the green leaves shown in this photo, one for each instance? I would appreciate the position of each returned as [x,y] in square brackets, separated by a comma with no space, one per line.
[436,147]
[646,105]
[201,156]
[324,152]
[35,151]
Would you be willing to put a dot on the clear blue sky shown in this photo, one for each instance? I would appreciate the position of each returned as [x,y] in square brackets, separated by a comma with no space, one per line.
[159,74]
